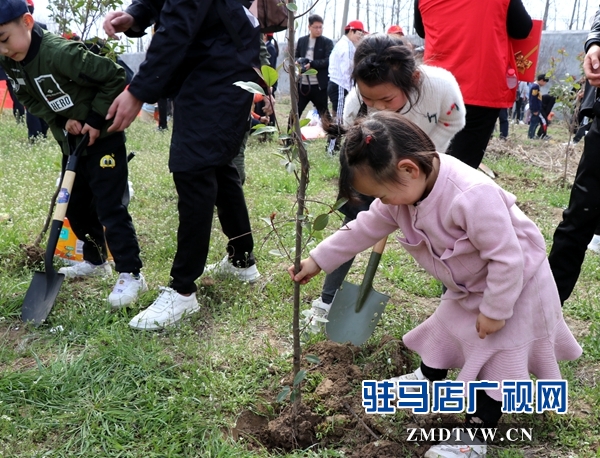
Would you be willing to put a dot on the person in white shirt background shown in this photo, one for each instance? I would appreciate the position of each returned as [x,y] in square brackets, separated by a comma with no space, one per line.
[341,63]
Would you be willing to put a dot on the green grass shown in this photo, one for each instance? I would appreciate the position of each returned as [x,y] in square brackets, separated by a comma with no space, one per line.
[87,385]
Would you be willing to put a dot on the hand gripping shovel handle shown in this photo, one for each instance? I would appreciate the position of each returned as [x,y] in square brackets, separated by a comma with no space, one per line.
[367,282]
[62,201]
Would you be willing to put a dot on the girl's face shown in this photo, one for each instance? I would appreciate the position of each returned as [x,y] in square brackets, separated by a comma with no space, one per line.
[412,184]
[382,97]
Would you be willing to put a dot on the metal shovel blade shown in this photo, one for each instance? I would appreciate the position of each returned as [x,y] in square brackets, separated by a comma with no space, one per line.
[40,296]
[345,323]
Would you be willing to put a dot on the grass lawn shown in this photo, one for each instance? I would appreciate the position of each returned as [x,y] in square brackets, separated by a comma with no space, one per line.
[87,385]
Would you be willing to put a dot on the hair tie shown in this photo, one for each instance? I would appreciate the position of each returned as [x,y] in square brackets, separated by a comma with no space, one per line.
[368,139]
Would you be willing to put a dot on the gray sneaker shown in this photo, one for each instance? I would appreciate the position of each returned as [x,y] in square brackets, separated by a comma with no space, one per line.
[316,317]
[86,269]
[226,269]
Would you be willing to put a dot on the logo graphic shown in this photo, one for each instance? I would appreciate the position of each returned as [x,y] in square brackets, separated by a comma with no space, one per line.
[14,84]
[63,196]
[107,161]
[57,99]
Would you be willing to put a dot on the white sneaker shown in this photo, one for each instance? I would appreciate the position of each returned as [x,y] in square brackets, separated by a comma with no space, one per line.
[226,269]
[413,376]
[168,308]
[463,448]
[594,245]
[316,317]
[127,290]
[86,269]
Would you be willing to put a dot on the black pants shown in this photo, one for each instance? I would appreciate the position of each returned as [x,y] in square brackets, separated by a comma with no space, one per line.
[36,127]
[163,112]
[98,214]
[469,144]
[580,219]
[519,107]
[199,192]
[337,94]
[18,108]
[487,409]
[312,93]
[503,120]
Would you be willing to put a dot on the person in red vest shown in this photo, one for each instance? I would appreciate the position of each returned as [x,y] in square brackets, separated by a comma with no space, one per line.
[470,38]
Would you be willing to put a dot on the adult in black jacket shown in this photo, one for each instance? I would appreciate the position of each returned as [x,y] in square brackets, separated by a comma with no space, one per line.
[313,51]
[582,216]
[199,50]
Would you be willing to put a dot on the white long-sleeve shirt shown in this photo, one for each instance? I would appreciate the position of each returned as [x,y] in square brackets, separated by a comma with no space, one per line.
[341,63]
[439,112]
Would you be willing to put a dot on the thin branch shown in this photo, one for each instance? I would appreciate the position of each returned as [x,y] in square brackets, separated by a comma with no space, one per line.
[362,423]
[308,10]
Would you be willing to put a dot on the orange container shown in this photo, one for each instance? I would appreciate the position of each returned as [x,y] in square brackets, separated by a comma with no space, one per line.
[527,52]
[69,247]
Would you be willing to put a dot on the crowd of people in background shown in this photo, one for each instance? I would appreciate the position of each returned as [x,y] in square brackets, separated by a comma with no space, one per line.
[406,122]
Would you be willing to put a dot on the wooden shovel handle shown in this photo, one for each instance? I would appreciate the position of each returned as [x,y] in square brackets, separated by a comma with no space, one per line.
[380,246]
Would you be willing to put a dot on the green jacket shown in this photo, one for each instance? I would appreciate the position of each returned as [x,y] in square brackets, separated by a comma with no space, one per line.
[60,80]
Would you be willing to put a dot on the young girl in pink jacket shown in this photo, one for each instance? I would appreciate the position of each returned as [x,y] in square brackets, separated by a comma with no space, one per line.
[500,317]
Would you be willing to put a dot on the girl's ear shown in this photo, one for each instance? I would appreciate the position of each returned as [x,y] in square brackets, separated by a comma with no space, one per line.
[417,76]
[410,167]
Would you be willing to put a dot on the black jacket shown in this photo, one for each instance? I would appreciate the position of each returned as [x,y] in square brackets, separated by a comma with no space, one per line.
[185,27]
[320,62]
[594,35]
[194,58]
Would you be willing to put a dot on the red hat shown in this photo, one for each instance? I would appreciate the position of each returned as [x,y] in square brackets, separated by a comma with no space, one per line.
[30,3]
[355,25]
[395,29]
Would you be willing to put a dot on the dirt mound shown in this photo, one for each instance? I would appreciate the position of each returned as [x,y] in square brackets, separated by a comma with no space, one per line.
[331,413]
[34,255]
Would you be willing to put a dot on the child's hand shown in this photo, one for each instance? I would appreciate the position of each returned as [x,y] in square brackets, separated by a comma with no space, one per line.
[308,269]
[94,133]
[264,119]
[73,127]
[487,325]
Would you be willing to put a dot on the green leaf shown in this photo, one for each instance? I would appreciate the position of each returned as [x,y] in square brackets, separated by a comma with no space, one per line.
[284,393]
[299,377]
[321,222]
[250,87]
[313,359]
[277,253]
[309,72]
[292,7]
[340,202]
[294,395]
[269,74]
[304,122]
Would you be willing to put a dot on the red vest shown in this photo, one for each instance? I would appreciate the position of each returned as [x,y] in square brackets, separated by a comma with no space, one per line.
[469,39]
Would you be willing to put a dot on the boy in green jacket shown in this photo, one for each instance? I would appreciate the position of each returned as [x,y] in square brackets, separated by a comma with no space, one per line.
[71,88]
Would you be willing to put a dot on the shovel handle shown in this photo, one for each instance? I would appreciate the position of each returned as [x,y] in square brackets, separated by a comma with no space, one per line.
[68,179]
[380,246]
[367,282]
[62,202]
